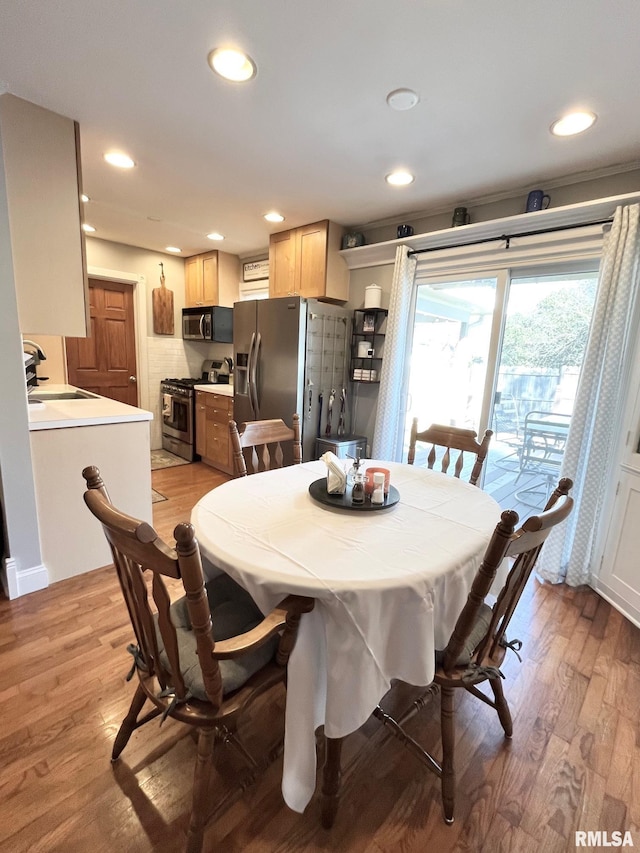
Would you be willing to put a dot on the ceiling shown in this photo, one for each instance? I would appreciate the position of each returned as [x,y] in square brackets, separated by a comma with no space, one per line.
[312,136]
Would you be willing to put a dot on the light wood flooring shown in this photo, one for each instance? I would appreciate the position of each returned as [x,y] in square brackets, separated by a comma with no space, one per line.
[573,763]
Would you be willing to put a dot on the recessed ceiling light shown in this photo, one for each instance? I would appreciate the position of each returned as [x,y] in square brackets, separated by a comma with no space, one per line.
[84,198]
[400,179]
[232,64]
[119,159]
[402,99]
[573,123]
[274,217]
[215,236]
[88,228]
[173,249]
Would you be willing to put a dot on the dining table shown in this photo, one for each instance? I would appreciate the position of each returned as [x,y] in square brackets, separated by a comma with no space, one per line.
[388,584]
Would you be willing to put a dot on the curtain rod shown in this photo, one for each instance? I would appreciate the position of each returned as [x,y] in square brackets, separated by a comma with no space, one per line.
[508,237]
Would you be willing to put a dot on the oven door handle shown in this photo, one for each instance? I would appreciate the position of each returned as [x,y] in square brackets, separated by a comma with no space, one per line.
[251,374]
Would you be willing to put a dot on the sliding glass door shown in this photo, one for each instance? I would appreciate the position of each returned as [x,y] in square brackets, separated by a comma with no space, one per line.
[503,351]
[452,334]
[546,326]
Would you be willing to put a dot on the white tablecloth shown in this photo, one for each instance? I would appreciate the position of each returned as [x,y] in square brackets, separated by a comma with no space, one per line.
[389,586]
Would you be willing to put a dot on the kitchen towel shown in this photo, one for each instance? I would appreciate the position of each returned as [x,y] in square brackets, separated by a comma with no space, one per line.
[167,411]
[336,475]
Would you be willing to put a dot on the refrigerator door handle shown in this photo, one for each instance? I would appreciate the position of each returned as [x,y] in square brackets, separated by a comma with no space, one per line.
[254,378]
[250,373]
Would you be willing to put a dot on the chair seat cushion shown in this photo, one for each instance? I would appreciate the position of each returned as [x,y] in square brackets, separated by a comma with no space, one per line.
[233,612]
[480,627]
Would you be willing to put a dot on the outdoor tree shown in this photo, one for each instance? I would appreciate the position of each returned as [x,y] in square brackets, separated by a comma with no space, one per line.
[554,335]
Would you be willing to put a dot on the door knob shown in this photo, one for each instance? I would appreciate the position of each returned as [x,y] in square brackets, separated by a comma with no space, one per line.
[132,379]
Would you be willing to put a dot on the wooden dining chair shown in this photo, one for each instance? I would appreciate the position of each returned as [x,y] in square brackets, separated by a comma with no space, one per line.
[475,651]
[448,438]
[202,660]
[258,445]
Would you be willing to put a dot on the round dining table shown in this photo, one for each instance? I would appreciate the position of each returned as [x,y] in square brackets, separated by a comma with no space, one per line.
[389,585]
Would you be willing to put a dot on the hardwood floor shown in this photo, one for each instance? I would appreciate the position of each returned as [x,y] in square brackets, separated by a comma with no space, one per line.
[573,763]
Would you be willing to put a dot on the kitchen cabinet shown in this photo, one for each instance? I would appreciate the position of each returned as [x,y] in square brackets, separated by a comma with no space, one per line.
[367,326]
[306,262]
[65,435]
[213,413]
[616,575]
[212,278]
[41,156]
[618,579]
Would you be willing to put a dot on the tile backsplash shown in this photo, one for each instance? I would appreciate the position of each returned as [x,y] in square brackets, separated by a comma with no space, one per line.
[173,357]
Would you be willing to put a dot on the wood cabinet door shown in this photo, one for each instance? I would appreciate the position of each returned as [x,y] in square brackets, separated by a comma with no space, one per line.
[217,442]
[201,423]
[193,282]
[282,263]
[618,578]
[311,260]
[210,279]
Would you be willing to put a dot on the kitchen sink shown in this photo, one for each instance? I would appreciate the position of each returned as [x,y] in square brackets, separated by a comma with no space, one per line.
[45,397]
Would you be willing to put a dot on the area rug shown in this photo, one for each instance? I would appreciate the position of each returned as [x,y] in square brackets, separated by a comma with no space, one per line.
[164,459]
[156,497]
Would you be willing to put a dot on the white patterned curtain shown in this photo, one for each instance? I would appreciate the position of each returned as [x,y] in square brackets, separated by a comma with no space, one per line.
[388,433]
[569,551]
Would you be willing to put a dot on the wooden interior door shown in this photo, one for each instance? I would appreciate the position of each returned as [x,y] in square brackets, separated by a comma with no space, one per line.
[105,363]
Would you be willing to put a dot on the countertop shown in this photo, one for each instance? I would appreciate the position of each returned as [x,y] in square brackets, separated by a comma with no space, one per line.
[60,414]
[225,390]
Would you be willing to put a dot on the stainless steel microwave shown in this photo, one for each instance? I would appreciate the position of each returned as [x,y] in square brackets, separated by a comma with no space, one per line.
[210,323]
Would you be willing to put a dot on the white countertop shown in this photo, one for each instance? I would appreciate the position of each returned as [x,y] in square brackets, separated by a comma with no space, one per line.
[60,414]
[225,390]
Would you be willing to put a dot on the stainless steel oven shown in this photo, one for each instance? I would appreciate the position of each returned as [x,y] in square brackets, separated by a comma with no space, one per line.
[178,411]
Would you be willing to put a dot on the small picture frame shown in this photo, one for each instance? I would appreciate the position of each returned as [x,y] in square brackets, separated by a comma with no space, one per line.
[369,323]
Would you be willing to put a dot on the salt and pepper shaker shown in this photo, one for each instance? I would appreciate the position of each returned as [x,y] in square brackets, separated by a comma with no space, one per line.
[355,468]
[357,491]
[377,495]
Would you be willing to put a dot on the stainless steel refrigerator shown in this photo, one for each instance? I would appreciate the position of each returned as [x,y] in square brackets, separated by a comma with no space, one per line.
[291,355]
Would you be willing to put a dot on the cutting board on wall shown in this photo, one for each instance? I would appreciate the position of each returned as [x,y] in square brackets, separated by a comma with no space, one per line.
[162,303]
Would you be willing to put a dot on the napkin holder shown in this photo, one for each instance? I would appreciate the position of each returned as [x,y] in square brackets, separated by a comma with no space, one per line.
[336,475]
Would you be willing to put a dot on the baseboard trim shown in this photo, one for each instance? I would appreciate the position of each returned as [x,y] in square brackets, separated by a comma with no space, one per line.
[618,602]
[16,583]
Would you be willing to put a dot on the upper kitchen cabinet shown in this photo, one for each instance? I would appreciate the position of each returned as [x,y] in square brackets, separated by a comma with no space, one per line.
[305,262]
[41,154]
[211,279]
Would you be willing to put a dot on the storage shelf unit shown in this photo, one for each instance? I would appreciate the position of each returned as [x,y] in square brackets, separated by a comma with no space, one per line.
[367,325]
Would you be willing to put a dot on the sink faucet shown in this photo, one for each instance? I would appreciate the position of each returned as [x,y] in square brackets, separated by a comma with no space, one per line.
[39,354]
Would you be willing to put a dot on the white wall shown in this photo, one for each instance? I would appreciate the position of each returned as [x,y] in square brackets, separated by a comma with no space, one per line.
[165,355]
[141,262]
[23,572]
[484,209]
[364,397]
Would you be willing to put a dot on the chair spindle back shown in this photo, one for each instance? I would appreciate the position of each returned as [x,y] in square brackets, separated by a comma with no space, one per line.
[451,438]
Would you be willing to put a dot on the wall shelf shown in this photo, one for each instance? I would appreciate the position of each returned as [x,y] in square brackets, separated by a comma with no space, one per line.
[368,324]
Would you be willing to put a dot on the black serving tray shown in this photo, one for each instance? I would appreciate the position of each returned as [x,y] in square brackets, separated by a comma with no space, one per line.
[318,491]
